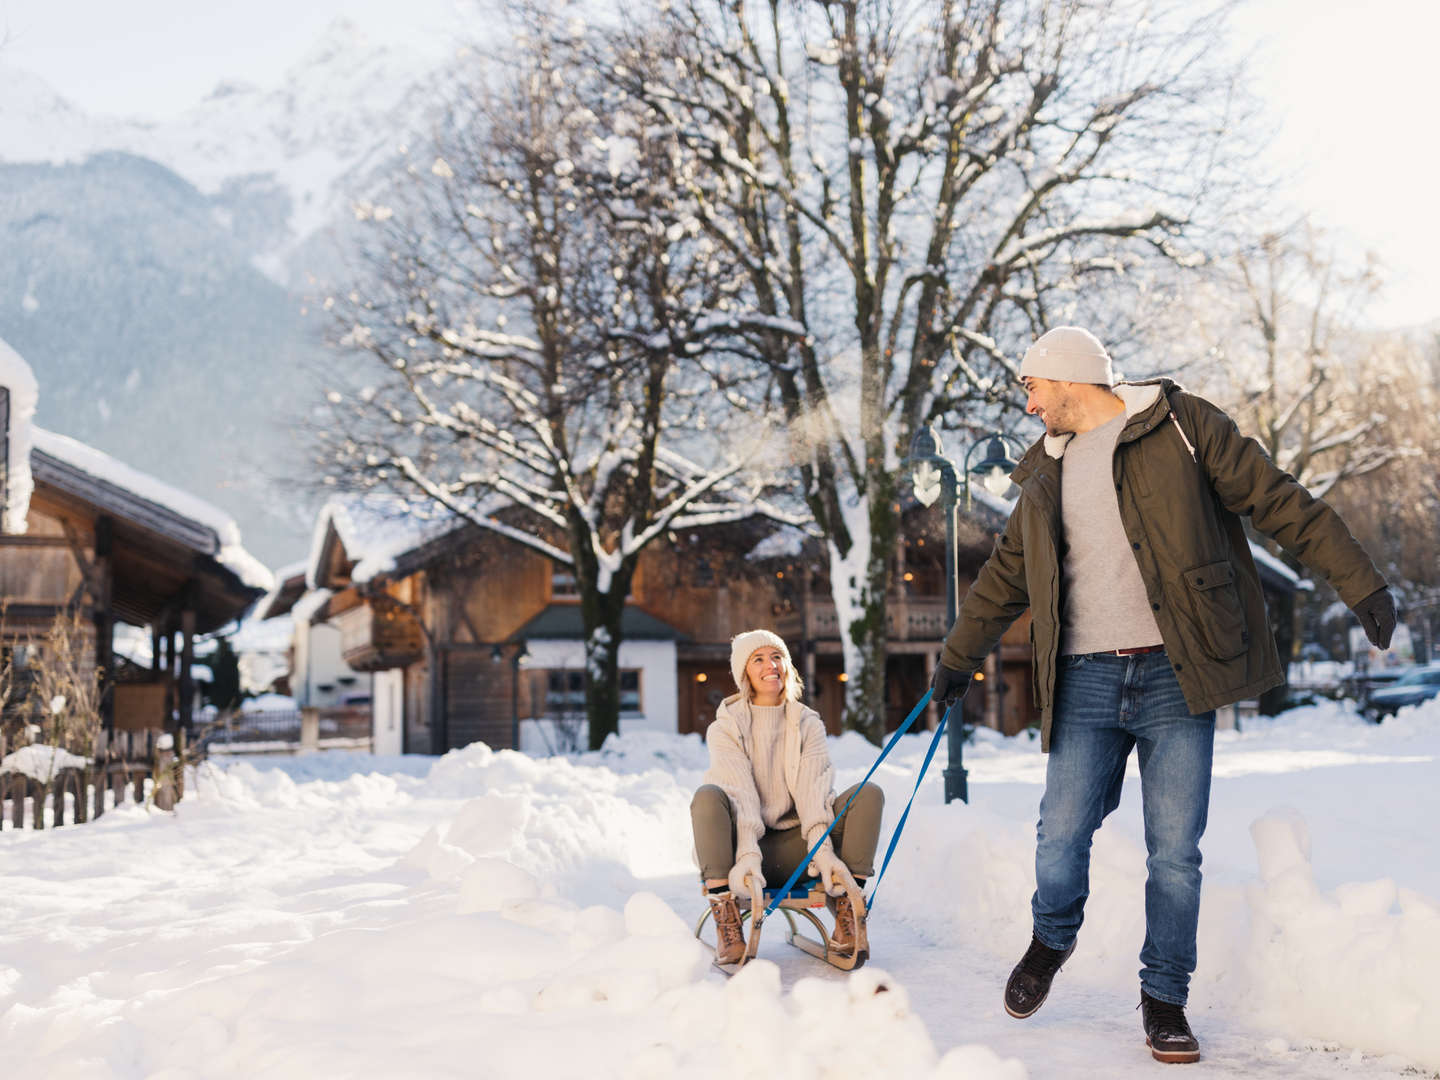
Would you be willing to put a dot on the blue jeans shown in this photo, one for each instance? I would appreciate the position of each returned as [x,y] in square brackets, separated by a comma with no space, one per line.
[1105,705]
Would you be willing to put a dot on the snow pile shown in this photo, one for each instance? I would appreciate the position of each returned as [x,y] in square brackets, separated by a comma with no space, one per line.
[1355,965]
[41,762]
[350,915]
[557,819]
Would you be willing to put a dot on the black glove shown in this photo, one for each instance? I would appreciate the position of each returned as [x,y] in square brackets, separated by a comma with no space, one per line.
[948,685]
[1377,615]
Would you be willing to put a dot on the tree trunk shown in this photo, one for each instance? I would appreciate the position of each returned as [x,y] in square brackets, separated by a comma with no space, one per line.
[859,583]
[601,613]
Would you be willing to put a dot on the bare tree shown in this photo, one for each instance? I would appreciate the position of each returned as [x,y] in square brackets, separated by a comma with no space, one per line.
[922,187]
[1344,408]
[553,355]
[1283,328]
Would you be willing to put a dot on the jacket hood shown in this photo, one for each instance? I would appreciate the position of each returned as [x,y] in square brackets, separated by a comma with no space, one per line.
[1140,399]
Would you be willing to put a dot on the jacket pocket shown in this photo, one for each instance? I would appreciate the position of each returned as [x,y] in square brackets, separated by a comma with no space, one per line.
[1219,615]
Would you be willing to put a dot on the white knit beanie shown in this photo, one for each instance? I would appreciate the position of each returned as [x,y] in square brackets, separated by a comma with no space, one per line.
[742,645]
[1068,354]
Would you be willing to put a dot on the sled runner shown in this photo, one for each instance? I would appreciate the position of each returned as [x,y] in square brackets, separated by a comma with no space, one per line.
[800,900]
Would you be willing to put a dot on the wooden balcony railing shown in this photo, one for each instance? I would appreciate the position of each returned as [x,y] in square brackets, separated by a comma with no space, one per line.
[905,619]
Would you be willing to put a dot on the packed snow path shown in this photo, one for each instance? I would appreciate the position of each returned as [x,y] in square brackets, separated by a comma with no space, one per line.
[499,916]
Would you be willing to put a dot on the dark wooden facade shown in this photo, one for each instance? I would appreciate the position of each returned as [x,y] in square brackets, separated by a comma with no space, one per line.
[94,547]
[460,605]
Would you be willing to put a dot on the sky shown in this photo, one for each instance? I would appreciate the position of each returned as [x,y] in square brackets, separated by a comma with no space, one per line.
[1345,80]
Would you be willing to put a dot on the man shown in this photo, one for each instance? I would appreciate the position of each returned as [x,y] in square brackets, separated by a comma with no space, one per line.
[1126,545]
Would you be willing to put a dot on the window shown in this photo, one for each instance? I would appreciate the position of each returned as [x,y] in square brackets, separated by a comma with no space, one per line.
[565,692]
[630,691]
[562,584]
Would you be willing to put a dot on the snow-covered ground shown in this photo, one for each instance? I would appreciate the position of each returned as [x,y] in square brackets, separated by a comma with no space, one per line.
[494,915]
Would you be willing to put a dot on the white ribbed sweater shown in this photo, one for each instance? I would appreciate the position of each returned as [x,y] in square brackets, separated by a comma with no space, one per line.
[799,793]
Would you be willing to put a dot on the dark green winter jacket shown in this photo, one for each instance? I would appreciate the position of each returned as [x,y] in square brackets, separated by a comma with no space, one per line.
[1184,476]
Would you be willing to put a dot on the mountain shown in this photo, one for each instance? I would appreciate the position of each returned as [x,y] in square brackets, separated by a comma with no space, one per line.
[150,272]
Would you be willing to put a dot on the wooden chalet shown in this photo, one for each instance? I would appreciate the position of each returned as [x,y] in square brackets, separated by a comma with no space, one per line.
[116,546]
[468,633]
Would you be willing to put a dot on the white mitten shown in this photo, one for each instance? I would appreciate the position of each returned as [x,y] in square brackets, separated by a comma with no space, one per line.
[834,875]
[747,865]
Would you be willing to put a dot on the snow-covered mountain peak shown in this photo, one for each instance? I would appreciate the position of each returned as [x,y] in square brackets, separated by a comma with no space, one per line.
[346,103]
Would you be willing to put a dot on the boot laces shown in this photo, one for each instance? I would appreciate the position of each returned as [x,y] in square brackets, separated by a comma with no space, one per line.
[1039,960]
[727,921]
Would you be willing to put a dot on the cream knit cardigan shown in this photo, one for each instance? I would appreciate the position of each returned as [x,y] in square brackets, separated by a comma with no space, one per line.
[808,774]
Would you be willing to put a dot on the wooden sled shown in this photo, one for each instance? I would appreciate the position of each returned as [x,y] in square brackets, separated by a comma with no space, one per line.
[801,900]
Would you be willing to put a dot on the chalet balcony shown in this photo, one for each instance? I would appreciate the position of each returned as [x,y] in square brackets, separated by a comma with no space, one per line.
[374,639]
[906,619]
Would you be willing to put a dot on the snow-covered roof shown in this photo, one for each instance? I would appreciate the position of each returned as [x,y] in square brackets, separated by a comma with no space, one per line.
[190,519]
[288,587]
[1278,568]
[306,607]
[263,635]
[101,466]
[16,376]
[376,528]
[786,542]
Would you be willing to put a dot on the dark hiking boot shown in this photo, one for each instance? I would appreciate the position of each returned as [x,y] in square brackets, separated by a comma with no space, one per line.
[729,938]
[1166,1032]
[1029,983]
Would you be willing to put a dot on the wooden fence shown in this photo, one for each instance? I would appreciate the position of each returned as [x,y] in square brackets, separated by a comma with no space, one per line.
[126,765]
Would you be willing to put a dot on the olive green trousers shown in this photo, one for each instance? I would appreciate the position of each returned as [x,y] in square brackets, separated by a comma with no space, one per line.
[854,838]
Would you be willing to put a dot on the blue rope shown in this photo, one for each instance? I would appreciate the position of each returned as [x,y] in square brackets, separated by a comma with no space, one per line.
[784,890]
[895,836]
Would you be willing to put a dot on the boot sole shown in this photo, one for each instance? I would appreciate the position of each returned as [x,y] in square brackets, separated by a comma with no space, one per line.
[1025,1015]
[1173,1057]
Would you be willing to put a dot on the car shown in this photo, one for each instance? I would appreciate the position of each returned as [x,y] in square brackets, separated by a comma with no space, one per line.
[1416,685]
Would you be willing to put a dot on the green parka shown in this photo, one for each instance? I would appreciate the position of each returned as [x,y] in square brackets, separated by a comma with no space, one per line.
[1184,476]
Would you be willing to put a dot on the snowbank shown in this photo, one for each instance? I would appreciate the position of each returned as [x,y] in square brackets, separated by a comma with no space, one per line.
[350,915]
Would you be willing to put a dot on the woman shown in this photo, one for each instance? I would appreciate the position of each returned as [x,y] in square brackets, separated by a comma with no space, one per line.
[767,798]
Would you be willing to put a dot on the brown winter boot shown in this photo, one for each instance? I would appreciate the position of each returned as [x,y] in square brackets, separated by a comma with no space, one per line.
[849,929]
[729,938]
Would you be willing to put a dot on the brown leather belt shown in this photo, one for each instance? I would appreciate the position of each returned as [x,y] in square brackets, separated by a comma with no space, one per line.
[1138,651]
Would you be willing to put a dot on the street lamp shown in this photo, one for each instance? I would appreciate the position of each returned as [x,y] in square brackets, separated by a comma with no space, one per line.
[933,478]
[993,469]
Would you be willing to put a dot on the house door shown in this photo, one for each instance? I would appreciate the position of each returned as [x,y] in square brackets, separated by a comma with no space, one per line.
[702,687]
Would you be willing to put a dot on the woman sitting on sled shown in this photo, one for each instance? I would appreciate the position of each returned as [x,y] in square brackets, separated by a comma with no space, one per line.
[767,797]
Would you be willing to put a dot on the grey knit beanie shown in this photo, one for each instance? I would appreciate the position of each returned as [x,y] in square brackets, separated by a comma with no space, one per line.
[1068,354]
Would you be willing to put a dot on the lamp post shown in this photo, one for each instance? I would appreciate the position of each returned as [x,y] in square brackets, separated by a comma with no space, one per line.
[934,477]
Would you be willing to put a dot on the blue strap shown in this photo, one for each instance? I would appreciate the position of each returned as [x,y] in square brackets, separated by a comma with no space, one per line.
[895,837]
[784,890]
